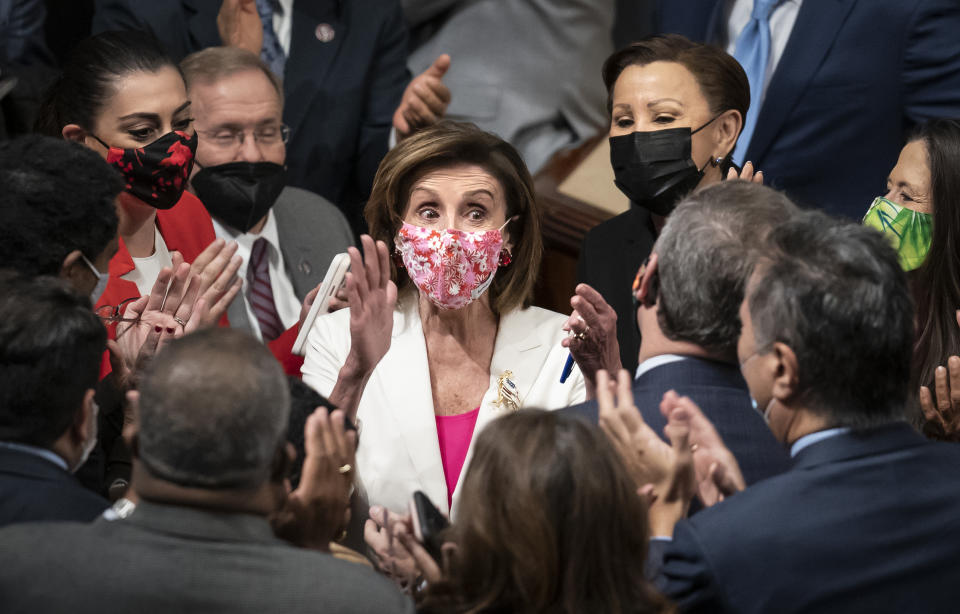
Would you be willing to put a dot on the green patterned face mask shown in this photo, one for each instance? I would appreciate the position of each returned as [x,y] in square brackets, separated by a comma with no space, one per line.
[909,231]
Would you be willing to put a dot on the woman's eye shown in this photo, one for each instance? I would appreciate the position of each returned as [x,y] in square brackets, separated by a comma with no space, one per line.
[624,122]
[905,196]
[183,124]
[141,134]
[663,119]
[429,214]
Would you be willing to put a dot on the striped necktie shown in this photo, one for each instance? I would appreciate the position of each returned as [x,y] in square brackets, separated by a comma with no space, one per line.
[260,293]
[272,51]
[753,53]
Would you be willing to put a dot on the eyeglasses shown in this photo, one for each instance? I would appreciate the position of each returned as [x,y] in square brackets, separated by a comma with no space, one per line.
[114,313]
[232,138]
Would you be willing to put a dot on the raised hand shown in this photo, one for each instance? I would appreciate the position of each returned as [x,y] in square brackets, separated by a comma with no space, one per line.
[944,414]
[648,458]
[746,174]
[239,25]
[315,513]
[718,474]
[382,533]
[425,100]
[215,270]
[593,335]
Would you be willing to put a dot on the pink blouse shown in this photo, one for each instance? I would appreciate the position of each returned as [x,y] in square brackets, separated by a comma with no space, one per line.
[455,433]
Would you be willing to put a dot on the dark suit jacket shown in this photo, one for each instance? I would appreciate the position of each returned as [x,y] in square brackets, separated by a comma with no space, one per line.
[862,523]
[34,489]
[721,392]
[610,257]
[855,76]
[178,559]
[340,95]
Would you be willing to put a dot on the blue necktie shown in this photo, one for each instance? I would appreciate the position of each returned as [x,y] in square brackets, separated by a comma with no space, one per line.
[753,52]
[272,51]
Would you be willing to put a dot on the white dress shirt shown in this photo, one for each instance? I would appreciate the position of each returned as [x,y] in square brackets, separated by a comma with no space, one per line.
[782,18]
[146,270]
[656,361]
[283,25]
[284,297]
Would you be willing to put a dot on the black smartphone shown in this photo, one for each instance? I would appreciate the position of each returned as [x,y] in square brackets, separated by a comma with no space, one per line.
[428,524]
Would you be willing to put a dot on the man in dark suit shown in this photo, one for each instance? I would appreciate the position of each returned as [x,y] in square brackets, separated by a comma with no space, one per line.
[866,520]
[844,82]
[687,300]
[344,71]
[51,344]
[209,460]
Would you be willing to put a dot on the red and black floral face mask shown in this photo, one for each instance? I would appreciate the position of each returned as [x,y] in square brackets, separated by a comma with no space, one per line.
[157,173]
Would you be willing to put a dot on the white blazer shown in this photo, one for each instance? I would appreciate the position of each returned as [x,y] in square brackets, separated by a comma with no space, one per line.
[399,449]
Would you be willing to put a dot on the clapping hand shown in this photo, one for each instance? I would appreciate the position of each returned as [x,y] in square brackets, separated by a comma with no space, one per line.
[746,174]
[425,100]
[215,272]
[315,513]
[400,556]
[593,335]
[717,472]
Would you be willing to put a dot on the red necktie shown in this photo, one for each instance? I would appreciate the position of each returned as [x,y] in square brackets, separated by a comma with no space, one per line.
[260,294]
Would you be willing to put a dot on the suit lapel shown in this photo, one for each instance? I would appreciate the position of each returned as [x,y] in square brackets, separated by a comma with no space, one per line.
[310,59]
[813,34]
[516,349]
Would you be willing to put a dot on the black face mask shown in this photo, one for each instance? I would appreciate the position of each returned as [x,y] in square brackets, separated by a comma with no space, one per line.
[240,193]
[654,169]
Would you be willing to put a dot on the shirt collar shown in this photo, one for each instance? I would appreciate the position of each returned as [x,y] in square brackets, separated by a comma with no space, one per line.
[811,438]
[657,361]
[246,239]
[50,455]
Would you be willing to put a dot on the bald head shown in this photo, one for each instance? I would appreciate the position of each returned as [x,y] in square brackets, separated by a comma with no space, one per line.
[213,411]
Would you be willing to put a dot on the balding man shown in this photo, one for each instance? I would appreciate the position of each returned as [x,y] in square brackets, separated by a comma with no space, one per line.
[209,450]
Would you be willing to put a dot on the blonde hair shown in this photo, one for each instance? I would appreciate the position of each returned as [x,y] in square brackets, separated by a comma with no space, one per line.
[448,144]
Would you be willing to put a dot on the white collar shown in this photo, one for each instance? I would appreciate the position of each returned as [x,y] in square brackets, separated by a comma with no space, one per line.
[811,438]
[246,239]
[657,361]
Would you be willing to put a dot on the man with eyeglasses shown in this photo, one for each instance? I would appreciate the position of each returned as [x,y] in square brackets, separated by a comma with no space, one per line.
[286,236]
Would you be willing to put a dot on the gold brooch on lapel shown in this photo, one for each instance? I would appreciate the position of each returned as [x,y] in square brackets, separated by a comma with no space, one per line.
[508,397]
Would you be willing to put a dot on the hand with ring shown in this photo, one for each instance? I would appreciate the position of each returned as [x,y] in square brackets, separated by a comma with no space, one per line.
[593,335]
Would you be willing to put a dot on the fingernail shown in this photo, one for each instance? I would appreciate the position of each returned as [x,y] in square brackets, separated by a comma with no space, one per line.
[169,331]
[157,329]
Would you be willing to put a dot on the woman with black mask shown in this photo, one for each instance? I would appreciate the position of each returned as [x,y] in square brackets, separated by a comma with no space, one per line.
[676,111]
[121,96]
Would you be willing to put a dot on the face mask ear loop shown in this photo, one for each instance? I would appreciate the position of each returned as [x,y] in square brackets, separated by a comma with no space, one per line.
[99,140]
[708,123]
[514,218]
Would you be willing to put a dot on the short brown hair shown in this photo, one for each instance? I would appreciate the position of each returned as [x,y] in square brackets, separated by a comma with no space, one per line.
[215,63]
[448,144]
[721,78]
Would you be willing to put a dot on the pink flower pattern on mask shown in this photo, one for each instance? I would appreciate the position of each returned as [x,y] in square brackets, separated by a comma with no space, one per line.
[452,267]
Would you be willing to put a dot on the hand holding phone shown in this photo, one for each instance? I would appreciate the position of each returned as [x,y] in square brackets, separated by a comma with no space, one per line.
[332,282]
[428,524]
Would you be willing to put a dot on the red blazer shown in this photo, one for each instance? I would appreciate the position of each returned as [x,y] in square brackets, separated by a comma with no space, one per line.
[187,228]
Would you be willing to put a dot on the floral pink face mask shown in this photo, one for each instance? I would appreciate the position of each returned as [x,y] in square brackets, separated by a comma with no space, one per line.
[452,267]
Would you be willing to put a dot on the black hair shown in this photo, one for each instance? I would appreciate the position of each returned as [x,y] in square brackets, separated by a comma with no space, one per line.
[51,345]
[57,197]
[303,401]
[937,282]
[834,292]
[90,74]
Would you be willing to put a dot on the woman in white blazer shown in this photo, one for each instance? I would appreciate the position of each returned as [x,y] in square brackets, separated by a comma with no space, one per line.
[425,372]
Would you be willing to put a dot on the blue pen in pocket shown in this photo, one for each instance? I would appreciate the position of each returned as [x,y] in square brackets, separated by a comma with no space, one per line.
[567,369]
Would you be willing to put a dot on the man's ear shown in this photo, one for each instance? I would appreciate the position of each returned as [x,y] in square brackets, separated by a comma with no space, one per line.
[84,421]
[649,282]
[787,373]
[131,428]
[74,270]
[73,132]
[728,127]
[283,460]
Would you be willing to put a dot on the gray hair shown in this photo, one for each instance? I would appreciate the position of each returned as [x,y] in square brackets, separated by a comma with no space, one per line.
[706,252]
[214,63]
[834,292]
[214,407]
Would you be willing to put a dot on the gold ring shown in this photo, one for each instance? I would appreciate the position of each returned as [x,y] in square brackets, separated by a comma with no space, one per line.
[345,468]
[179,321]
[581,336]
[693,448]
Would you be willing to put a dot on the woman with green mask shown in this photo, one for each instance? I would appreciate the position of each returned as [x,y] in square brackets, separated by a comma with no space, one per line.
[921,215]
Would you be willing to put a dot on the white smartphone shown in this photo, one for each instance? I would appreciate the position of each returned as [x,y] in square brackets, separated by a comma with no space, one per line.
[332,282]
